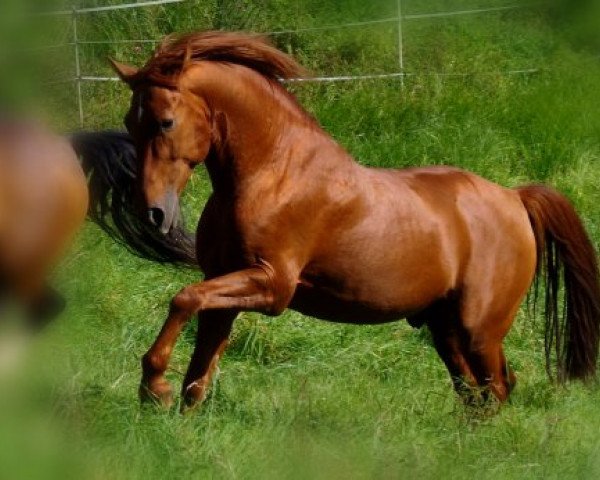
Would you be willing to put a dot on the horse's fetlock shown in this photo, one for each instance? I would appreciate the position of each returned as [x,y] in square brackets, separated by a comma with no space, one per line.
[153,362]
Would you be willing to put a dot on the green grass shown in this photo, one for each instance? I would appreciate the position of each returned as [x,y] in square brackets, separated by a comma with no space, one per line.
[296,397]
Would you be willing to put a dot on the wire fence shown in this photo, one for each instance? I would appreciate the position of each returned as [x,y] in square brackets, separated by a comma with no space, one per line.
[80,77]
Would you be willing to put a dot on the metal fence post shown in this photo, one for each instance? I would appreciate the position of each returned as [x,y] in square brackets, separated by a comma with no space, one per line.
[400,44]
[77,67]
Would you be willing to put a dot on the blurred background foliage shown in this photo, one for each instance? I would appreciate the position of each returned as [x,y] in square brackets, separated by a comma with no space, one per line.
[493,42]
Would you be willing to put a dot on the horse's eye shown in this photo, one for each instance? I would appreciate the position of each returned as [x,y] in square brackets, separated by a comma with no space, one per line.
[167,125]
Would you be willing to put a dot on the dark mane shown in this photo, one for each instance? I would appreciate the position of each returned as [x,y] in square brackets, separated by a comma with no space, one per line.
[245,49]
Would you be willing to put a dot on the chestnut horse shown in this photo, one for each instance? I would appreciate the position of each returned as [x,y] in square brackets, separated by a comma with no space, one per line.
[294,222]
[43,201]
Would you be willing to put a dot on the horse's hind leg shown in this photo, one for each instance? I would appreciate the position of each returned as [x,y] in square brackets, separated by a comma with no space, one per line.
[449,346]
[472,363]
[214,328]
[486,361]
[450,342]
[484,351]
[472,351]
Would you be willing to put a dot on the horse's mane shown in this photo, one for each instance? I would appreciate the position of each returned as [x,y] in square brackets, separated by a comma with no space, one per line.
[249,50]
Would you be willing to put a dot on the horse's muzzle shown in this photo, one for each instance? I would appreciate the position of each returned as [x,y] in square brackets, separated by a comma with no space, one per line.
[156,216]
[164,215]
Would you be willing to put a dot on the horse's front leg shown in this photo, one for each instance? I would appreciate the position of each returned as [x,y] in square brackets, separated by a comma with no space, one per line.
[258,289]
[214,328]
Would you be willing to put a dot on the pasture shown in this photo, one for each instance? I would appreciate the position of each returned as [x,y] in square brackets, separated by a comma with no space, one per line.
[296,397]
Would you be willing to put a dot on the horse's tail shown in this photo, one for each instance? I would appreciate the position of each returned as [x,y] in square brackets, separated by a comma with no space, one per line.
[565,252]
[109,161]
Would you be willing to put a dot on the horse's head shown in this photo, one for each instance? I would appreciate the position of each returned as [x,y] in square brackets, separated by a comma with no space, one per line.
[171,129]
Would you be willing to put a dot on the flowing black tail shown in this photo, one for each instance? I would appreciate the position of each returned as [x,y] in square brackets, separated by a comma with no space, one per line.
[566,252]
[109,161]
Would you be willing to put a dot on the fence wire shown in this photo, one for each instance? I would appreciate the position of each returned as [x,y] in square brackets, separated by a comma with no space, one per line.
[398,19]
[107,8]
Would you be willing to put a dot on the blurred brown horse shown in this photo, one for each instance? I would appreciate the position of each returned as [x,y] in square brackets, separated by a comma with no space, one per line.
[46,183]
[43,201]
[295,222]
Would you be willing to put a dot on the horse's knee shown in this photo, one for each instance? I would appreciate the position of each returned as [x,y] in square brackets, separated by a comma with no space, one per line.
[188,301]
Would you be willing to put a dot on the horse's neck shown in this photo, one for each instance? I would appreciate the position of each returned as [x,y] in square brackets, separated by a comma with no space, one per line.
[258,123]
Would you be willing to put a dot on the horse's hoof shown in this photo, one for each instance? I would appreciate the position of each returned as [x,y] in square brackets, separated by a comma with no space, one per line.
[191,398]
[158,393]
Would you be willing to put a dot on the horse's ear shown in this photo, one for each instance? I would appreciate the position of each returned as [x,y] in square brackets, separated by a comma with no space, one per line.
[125,72]
[187,60]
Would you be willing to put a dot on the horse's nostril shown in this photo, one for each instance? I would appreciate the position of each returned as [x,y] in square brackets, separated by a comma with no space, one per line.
[156,216]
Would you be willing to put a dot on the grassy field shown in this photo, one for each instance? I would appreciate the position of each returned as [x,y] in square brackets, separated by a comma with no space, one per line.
[295,397]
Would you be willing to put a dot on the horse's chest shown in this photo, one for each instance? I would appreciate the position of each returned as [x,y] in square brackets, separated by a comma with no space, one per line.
[221,244]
